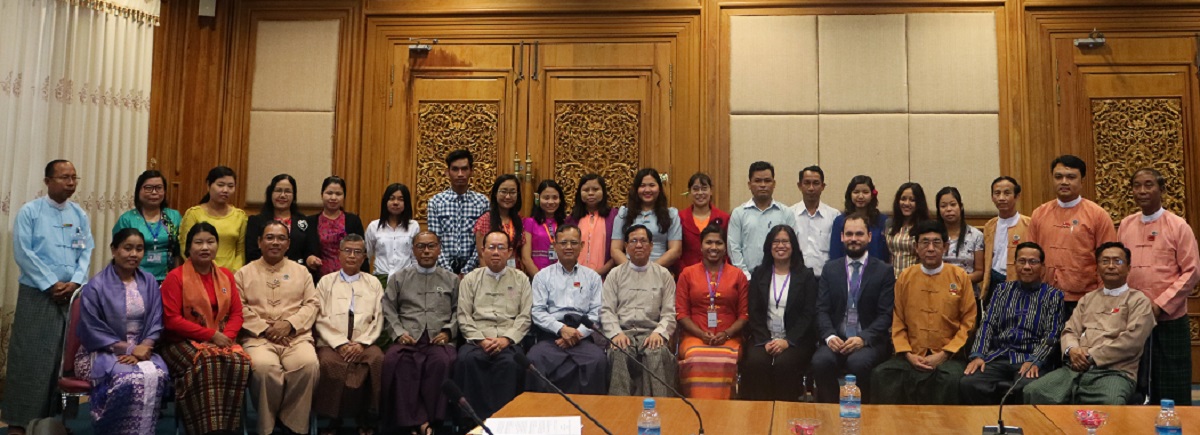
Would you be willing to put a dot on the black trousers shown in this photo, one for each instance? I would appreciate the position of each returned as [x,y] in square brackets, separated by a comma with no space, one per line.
[987,387]
[765,377]
[829,366]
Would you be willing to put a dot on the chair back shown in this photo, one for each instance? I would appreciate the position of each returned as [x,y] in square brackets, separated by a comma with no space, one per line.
[1141,392]
[70,338]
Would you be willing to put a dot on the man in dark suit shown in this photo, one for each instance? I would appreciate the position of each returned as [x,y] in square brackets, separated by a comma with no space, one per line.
[854,313]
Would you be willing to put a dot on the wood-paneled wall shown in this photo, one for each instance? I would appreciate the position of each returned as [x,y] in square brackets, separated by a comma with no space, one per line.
[197,99]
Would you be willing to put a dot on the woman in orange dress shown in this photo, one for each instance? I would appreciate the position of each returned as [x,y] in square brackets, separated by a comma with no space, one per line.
[712,299]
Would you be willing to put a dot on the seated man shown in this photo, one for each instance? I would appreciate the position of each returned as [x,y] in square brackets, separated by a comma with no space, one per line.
[280,305]
[1102,342]
[351,320]
[639,317]
[1019,330]
[854,313]
[419,306]
[563,293]
[494,305]
[934,314]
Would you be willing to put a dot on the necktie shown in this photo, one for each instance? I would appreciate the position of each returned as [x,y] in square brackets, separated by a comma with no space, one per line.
[852,304]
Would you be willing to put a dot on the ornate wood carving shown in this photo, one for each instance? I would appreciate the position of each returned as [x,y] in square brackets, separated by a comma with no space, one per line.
[1134,133]
[596,137]
[443,127]
[1194,326]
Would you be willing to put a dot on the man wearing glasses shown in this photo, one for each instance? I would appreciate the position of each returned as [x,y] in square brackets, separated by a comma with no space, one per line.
[279,305]
[52,244]
[420,305]
[494,305]
[351,320]
[1018,333]
[1103,341]
[563,294]
[639,317]
[934,314]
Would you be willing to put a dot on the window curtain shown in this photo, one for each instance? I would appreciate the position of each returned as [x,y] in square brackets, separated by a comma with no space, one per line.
[74,84]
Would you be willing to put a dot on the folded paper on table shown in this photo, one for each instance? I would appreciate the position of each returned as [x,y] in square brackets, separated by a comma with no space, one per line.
[533,426]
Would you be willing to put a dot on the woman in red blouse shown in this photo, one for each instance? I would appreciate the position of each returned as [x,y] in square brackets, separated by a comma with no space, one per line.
[712,299]
[697,216]
[202,313]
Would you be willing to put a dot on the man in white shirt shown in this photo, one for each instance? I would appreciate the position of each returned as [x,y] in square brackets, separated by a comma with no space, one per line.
[1001,235]
[750,222]
[814,219]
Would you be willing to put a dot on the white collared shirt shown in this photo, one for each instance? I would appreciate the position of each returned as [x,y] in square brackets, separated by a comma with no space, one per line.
[1000,243]
[932,272]
[1116,291]
[1070,204]
[496,275]
[813,233]
[1151,218]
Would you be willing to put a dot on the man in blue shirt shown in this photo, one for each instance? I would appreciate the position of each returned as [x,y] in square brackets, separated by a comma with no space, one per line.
[52,244]
[750,222]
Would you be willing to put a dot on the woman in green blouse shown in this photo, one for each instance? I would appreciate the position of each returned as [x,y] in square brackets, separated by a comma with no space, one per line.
[158,224]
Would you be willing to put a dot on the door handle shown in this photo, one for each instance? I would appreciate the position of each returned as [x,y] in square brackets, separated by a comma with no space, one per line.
[520,63]
[536,50]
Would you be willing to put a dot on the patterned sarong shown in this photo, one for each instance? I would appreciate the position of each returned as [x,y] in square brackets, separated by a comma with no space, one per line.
[708,372]
[210,384]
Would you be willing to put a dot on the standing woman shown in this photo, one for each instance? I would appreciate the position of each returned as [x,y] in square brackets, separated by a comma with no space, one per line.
[537,251]
[712,298]
[332,224]
[595,218]
[646,205]
[389,238]
[505,215]
[783,321]
[279,204]
[229,221]
[965,249]
[909,208]
[158,224]
[697,216]
[202,314]
[120,319]
[861,195]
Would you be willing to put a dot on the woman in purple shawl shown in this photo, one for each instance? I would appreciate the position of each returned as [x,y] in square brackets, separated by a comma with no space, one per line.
[120,318]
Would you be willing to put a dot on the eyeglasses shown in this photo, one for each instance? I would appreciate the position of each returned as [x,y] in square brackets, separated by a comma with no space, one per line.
[936,243]
[1028,261]
[506,192]
[426,246]
[152,189]
[353,252]
[783,242]
[639,241]
[275,238]
[1112,262]
[569,243]
[66,178]
[499,247]
[283,192]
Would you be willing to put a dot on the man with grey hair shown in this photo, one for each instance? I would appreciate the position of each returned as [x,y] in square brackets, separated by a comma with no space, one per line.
[350,321]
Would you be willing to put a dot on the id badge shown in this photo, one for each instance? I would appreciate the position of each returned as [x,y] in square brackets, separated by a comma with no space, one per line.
[154,257]
[512,262]
[712,319]
[553,255]
[79,242]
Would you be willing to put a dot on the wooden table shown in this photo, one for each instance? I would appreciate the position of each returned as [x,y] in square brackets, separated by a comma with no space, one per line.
[899,419]
[619,414]
[1122,420]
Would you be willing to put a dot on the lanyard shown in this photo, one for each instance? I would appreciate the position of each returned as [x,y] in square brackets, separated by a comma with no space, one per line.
[777,292]
[156,229]
[713,286]
[549,232]
[508,229]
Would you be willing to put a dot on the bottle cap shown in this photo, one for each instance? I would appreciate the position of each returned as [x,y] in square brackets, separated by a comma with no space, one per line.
[1168,403]
[851,378]
[648,403]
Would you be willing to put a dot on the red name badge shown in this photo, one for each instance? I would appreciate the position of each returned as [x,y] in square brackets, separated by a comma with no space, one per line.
[1116,310]
[576,283]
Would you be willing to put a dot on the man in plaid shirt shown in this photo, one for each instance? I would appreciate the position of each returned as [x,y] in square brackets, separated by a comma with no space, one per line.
[452,214]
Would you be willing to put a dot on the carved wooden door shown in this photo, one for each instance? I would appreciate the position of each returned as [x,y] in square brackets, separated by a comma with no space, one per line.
[1132,104]
[600,108]
[456,96]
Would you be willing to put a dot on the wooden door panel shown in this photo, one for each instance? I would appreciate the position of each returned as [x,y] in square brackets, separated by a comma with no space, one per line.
[458,97]
[598,108]
[1128,105]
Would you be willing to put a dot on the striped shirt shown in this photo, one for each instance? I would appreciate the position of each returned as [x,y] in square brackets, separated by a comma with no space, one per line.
[1022,325]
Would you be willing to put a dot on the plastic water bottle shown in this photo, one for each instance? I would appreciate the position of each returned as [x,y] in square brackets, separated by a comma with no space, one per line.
[649,423]
[1167,422]
[851,407]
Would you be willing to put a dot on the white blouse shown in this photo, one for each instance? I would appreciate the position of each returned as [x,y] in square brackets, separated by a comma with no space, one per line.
[390,248]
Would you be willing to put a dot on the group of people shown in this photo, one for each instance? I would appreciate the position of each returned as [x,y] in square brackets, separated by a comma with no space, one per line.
[922,307]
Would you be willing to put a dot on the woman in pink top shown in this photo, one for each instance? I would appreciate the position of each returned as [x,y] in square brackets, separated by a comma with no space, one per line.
[538,250]
[594,217]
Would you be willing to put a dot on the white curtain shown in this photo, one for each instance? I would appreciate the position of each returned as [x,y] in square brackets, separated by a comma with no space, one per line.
[74,84]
